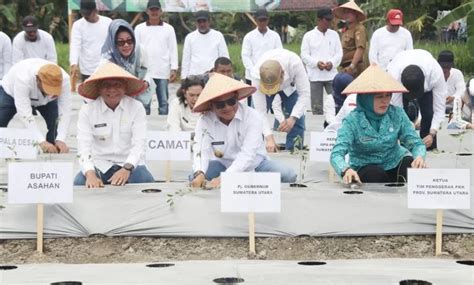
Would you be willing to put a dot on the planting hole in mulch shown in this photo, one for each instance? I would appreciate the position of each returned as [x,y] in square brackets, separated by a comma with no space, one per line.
[228,280]
[303,236]
[154,265]
[414,282]
[466,262]
[312,263]
[352,192]
[151,190]
[298,185]
[4,189]
[67,283]
[8,267]
[394,185]
[464,154]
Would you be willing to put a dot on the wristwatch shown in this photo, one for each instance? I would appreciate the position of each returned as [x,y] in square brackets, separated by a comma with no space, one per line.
[128,166]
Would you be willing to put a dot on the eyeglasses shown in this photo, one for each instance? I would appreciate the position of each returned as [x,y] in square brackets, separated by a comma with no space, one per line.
[221,104]
[121,43]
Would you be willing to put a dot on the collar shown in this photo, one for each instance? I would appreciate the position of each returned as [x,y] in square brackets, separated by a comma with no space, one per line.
[238,115]
[159,24]
[104,108]
[38,37]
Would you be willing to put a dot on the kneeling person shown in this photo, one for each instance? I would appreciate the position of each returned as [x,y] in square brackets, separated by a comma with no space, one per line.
[111,131]
[229,135]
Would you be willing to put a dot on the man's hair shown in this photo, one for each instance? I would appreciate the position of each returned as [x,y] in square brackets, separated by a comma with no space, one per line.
[222,61]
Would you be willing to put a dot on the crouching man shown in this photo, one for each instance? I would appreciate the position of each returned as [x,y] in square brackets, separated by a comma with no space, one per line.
[111,131]
[229,135]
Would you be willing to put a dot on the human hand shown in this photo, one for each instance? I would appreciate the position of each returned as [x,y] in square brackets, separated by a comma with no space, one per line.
[321,65]
[350,176]
[428,140]
[73,70]
[215,183]
[419,162]
[328,66]
[120,177]
[61,147]
[287,125]
[173,75]
[449,99]
[270,144]
[92,181]
[48,147]
[199,181]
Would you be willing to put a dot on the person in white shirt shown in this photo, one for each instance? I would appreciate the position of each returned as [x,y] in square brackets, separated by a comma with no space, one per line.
[321,52]
[36,83]
[159,41]
[5,54]
[257,42]
[282,72]
[463,115]
[88,34]
[33,42]
[422,75]
[181,116]
[388,41]
[111,130]
[454,78]
[229,134]
[202,47]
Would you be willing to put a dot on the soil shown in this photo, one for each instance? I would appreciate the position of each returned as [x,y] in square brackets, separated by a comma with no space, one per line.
[101,249]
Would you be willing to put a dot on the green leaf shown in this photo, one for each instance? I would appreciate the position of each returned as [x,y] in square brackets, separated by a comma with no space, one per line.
[456,14]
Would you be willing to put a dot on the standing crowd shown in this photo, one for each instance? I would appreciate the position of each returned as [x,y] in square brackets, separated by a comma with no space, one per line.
[374,93]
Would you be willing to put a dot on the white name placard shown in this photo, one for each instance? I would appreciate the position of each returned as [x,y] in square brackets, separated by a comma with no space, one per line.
[250,192]
[321,145]
[168,145]
[40,182]
[439,188]
[18,143]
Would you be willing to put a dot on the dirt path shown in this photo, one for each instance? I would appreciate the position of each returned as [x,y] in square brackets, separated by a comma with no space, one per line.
[100,249]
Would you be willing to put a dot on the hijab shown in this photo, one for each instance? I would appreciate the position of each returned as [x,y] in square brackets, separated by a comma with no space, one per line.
[110,50]
[365,104]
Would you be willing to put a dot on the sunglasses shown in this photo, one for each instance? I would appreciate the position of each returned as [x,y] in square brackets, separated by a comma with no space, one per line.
[121,43]
[221,104]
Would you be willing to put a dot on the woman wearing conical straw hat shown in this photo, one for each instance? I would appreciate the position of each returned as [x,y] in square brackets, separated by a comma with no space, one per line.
[111,130]
[354,38]
[229,135]
[370,134]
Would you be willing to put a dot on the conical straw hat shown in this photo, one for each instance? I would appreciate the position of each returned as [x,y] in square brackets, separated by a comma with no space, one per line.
[90,87]
[374,80]
[217,86]
[339,11]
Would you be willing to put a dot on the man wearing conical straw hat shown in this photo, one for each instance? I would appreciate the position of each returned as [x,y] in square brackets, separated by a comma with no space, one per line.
[229,134]
[422,75]
[111,130]
[354,38]
[370,134]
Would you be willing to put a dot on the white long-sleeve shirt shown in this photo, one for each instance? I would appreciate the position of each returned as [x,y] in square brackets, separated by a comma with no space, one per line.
[240,142]
[43,47]
[181,118]
[434,80]
[255,44]
[87,40]
[326,47]
[5,54]
[106,137]
[349,104]
[294,79]
[20,83]
[384,45]
[160,43]
[455,83]
[201,50]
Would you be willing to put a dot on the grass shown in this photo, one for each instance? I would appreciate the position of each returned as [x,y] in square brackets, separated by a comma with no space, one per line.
[463,61]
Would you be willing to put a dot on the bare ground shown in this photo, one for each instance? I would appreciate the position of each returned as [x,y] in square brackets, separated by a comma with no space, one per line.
[100,249]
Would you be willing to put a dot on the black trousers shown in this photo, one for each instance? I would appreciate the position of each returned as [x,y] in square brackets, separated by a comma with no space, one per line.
[373,173]
[425,103]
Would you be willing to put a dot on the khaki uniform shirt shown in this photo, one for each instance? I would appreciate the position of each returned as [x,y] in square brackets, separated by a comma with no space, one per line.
[353,38]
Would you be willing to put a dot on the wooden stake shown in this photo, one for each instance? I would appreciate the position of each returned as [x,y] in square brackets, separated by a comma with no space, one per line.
[168,171]
[252,233]
[73,79]
[251,18]
[39,227]
[332,174]
[439,231]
